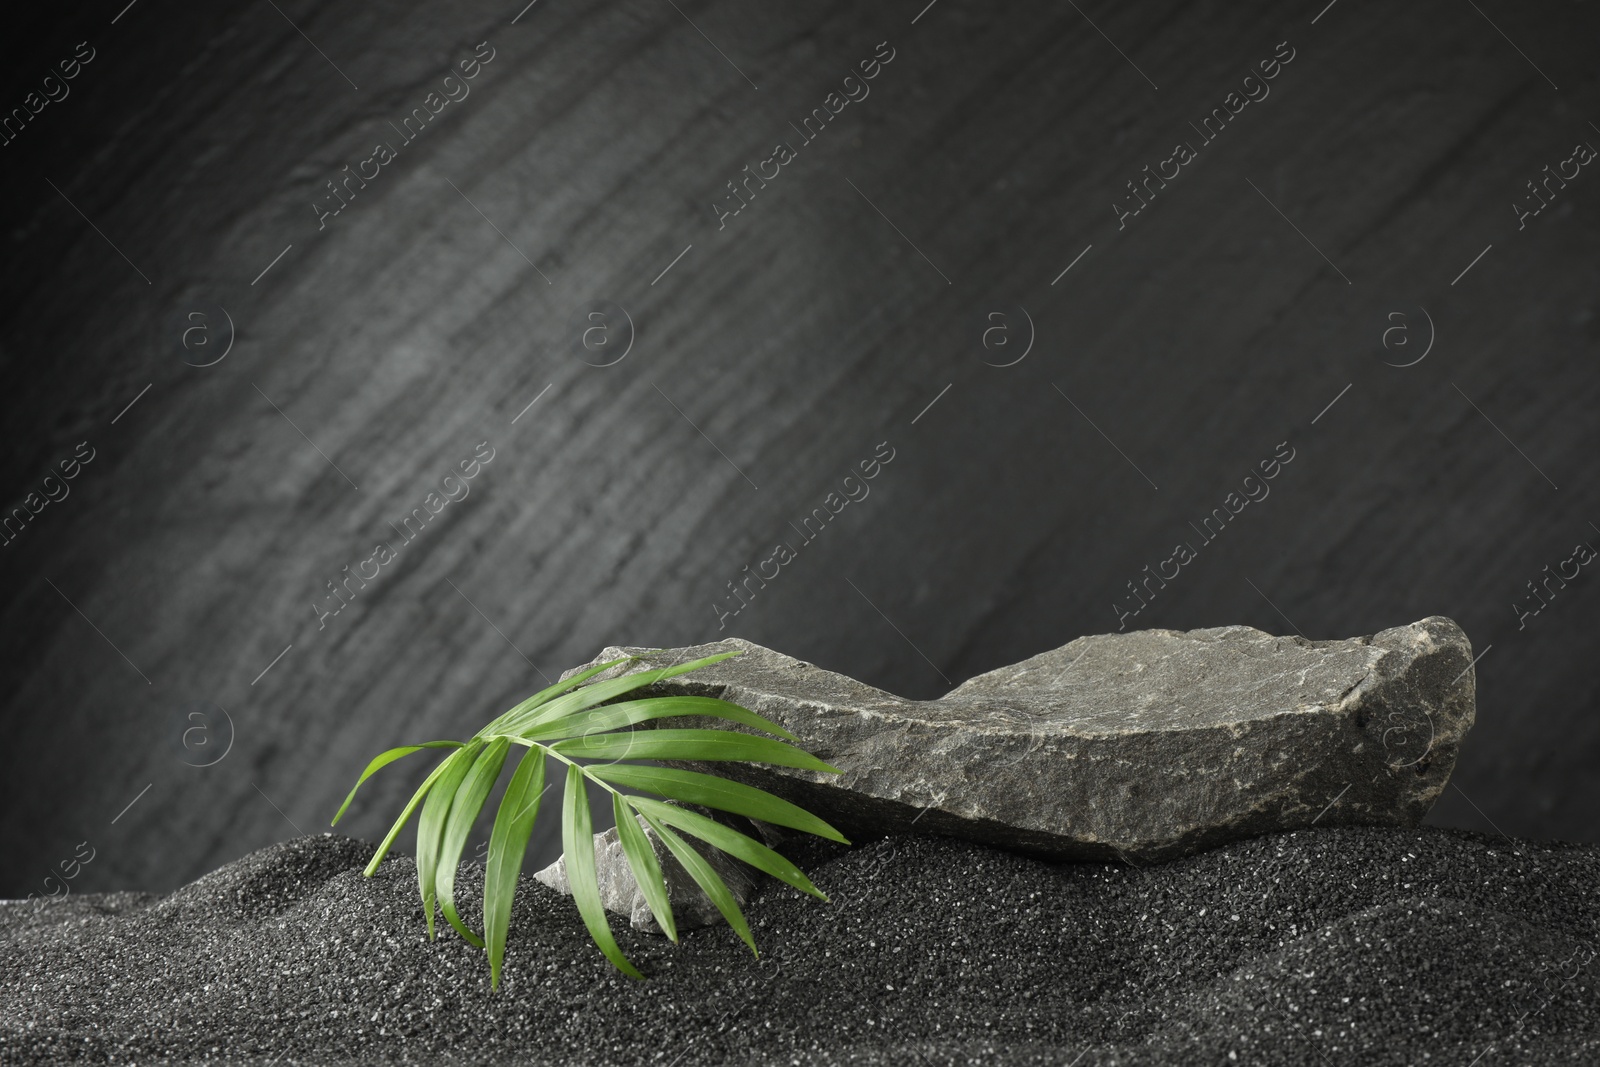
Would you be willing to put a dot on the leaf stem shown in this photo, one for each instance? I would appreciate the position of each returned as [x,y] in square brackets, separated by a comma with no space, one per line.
[548,751]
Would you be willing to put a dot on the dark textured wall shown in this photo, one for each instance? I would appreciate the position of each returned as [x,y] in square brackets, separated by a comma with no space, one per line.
[791,342]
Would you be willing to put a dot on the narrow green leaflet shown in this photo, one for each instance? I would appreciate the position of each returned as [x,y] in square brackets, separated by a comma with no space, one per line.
[710,745]
[692,787]
[405,817]
[463,813]
[642,861]
[600,692]
[577,848]
[381,761]
[707,879]
[632,712]
[508,844]
[739,846]
[544,695]
[430,828]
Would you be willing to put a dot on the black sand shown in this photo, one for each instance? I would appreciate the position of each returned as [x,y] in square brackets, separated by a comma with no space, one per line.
[1348,946]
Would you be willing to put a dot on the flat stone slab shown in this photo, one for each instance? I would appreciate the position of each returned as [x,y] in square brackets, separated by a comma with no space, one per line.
[1140,746]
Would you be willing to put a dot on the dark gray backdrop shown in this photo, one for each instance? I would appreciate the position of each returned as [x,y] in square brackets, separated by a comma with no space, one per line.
[1371,190]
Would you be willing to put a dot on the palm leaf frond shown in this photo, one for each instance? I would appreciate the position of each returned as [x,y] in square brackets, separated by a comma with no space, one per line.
[633,712]
[382,760]
[577,844]
[508,843]
[545,695]
[644,865]
[707,790]
[405,816]
[709,745]
[709,881]
[430,827]
[574,720]
[728,840]
[463,813]
[599,692]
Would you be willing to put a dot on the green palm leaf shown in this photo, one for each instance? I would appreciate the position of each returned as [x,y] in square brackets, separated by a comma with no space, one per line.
[708,790]
[508,843]
[633,712]
[728,840]
[405,817]
[544,695]
[577,843]
[463,813]
[383,760]
[430,827]
[599,692]
[642,861]
[710,745]
[571,721]
[707,879]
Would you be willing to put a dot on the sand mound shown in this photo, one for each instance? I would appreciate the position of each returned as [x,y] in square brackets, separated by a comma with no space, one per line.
[1322,947]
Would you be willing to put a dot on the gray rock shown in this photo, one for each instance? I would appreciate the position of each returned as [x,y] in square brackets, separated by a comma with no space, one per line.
[619,890]
[1141,746]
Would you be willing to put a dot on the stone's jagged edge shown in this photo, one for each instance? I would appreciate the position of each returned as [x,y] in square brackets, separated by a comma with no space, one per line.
[1377,750]
[1436,649]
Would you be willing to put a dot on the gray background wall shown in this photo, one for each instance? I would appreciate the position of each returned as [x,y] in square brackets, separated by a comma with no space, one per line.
[777,352]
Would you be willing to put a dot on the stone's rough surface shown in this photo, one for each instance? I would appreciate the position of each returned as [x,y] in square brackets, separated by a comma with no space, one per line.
[619,890]
[1144,745]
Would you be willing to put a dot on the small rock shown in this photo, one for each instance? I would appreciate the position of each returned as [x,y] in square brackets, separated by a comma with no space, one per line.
[1141,746]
